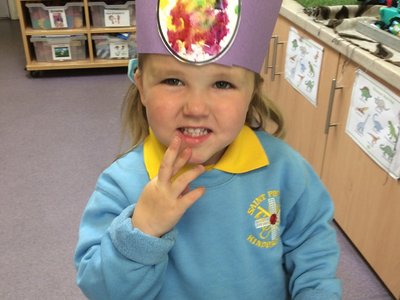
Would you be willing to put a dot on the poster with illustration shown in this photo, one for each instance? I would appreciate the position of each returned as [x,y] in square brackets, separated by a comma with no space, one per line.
[116,17]
[303,64]
[58,18]
[61,52]
[119,49]
[374,122]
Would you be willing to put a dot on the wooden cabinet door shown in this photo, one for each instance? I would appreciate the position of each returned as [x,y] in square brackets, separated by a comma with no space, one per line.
[305,122]
[273,70]
[367,199]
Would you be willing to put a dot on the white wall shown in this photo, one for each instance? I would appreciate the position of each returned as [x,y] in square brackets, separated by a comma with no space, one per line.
[4,12]
[8,9]
[13,9]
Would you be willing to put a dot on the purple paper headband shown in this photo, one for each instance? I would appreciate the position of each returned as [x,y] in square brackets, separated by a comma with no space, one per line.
[227,32]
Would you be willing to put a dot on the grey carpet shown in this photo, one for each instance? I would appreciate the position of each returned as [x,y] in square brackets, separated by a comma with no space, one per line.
[57,133]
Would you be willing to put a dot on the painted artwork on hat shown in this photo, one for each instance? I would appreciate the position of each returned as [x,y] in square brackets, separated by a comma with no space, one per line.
[198,31]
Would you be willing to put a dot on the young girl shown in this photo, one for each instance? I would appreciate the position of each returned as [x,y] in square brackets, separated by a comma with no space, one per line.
[205,204]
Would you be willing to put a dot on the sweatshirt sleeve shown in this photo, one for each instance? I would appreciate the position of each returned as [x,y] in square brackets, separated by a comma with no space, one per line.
[311,251]
[113,259]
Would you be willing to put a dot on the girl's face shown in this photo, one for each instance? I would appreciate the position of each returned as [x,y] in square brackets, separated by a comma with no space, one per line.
[205,105]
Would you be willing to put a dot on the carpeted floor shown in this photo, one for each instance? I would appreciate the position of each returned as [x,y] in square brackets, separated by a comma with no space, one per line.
[57,133]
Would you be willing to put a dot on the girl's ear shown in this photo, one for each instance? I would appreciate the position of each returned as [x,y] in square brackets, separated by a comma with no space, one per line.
[139,85]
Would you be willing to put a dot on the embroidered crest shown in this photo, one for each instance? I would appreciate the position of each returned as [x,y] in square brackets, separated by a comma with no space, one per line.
[265,210]
[198,31]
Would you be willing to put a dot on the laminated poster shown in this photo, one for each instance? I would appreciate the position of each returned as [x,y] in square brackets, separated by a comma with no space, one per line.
[119,49]
[61,52]
[116,17]
[57,18]
[374,122]
[303,65]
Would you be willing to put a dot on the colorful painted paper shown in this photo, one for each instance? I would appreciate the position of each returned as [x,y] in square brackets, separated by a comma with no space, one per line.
[374,122]
[198,31]
[303,64]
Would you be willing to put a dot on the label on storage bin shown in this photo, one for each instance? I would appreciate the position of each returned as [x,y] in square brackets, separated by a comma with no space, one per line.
[119,49]
[58,19]
[116,17]
[61,52]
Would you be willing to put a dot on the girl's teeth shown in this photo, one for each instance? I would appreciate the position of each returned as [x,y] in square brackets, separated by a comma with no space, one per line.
[195,131]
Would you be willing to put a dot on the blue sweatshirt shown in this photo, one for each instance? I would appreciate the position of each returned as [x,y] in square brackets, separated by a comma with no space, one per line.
[259,234]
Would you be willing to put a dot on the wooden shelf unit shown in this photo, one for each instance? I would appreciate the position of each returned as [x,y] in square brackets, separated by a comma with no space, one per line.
[91,62]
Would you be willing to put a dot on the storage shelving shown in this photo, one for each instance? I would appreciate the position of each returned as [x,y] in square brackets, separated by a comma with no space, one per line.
[87,30]
[366,198]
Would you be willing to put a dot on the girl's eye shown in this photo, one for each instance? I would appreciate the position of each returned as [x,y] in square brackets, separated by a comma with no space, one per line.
[172,81]
[223,85]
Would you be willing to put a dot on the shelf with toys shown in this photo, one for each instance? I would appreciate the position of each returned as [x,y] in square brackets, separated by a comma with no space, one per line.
[59,34]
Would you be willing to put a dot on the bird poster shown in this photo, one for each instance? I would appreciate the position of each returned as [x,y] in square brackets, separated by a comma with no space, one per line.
[303,64]
[374,122]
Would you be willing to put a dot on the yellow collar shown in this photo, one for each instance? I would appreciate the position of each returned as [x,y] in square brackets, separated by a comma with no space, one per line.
[243,155]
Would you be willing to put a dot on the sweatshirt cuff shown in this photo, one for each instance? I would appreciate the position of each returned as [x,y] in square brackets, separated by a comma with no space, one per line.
[136,245]
[315,294]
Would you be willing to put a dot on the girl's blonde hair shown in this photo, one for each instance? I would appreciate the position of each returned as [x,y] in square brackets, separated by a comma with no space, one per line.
[136,128]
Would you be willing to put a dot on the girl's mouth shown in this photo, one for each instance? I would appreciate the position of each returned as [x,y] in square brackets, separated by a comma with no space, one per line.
[194,132]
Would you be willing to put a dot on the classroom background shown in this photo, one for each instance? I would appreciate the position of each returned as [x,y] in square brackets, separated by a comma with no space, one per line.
[58,131]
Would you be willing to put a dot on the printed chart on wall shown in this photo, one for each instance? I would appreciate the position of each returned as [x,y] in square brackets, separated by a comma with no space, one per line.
[303,65]
[374,122]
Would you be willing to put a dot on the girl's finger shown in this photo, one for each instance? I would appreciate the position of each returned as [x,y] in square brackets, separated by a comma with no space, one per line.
[182,181]
[191,197]
[166,170]
[181,160]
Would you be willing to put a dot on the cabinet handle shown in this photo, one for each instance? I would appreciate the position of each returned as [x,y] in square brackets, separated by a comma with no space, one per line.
[330,106]
[275,44]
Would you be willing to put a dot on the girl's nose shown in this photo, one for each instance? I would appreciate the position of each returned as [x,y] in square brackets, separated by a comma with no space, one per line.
[196,105]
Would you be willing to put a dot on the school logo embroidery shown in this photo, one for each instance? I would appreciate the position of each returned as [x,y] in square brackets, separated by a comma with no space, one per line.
[265,212]
[198,31]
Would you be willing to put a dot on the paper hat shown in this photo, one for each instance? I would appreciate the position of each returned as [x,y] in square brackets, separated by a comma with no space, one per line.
[227,32]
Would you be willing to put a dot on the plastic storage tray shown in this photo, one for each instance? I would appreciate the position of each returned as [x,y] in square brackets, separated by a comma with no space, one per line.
[59,48]
[55,17]
[115,15]
[368,29]
[113,47]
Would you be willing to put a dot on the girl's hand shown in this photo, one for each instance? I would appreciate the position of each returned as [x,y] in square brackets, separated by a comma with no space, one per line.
[165,198]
